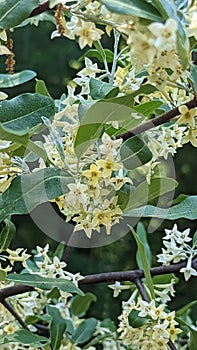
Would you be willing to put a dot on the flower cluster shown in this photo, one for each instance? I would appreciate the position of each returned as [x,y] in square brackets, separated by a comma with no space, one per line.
[147,325]
[177,249]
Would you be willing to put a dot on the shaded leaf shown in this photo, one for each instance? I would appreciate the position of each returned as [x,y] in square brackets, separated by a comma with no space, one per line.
[93,121]
[80,304]
[144,193]
[85,331]
[7,234]
[25,337]
[134,153]
[27,191]
[57,326]
[100,89]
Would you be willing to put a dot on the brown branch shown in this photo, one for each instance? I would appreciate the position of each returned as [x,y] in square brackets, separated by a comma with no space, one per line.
[40,9]
[140,287]
[156,122]
[14,313]
[133,274]
[106,277]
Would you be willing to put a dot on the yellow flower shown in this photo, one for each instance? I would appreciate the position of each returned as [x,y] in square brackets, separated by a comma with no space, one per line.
[88,33]
[94,174]
[187,115]
[10,328]
[102,217]
[191,136]
[108,165]
[173,332]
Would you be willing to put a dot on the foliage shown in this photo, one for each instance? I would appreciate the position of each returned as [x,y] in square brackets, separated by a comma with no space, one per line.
[101,156]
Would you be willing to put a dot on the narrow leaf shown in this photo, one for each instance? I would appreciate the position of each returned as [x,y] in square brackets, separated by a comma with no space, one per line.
[141,232]
[6,235]
[57,326]
[144,262]
[10,80]
[186,209]
[44,283]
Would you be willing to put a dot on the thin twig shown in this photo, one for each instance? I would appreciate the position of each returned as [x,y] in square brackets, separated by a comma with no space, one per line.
[14,313]
[141,289]
[156,122]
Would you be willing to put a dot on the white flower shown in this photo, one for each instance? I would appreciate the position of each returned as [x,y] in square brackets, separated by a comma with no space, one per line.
[109,147]
[88,33]
[117,287]
[188,270]
[77,194]
[90,69]
[165,34]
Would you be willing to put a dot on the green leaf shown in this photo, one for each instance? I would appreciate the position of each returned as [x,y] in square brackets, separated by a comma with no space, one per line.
[192,339]
[85,331]
[193,76]
[93,121]
[10,80]
[3,275]
[41,88]
[57,326]
[141,232]
[21,137]
[194,240]
[128,100]
[148,108]
[167,10]
[44,283]
[185,308]
[27,191]
[138,8]
[24,112]
[134,153]
[144,192]
[80,304]
[136,321]
[92,53]
[14,12]
[25,337]
[186,209]
[100,89]
[144,262]
[59,252]
[6,235]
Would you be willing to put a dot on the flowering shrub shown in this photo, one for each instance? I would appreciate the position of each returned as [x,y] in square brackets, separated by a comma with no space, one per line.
[102,155]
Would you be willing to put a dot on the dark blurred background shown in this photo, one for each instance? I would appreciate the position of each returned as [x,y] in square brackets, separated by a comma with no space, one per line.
[55,61]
